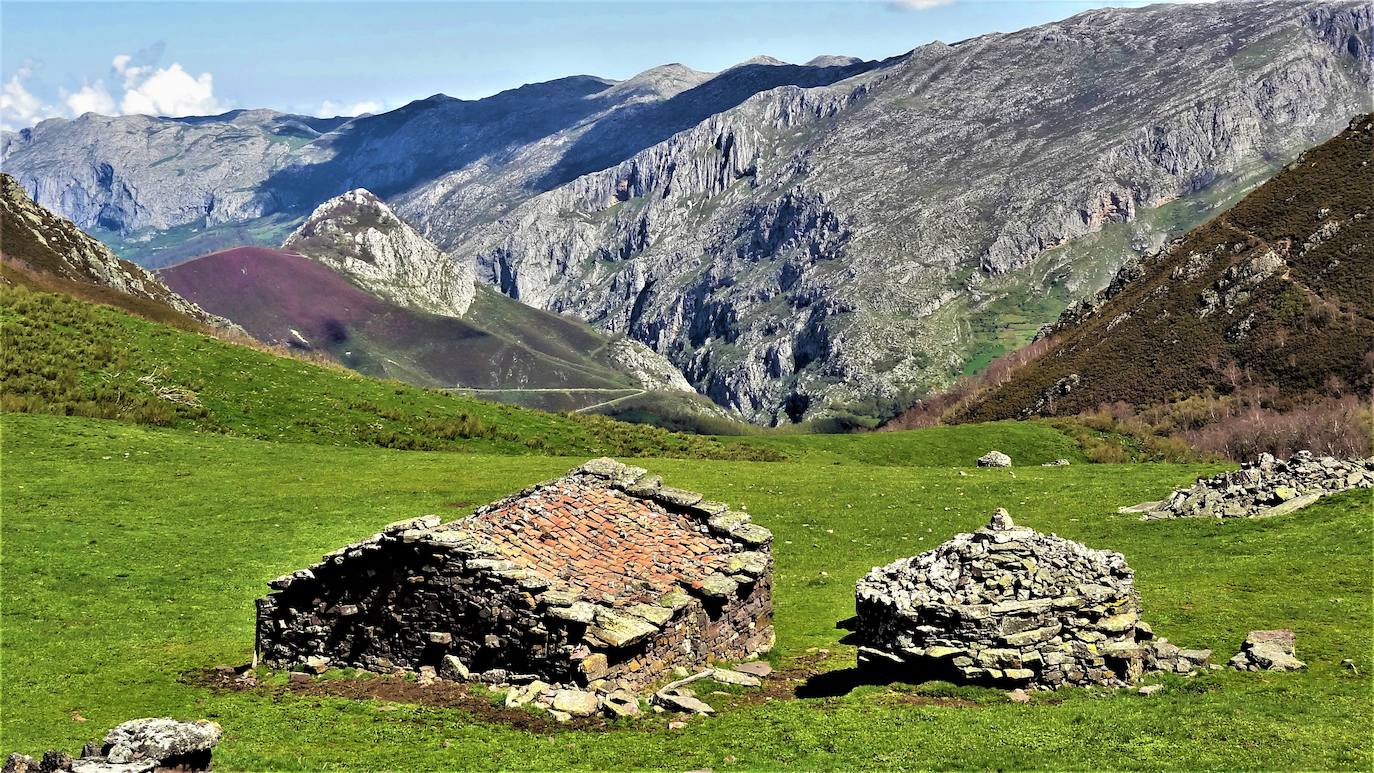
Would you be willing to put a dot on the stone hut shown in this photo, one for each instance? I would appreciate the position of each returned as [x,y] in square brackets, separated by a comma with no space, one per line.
[1006,606]
[604,577]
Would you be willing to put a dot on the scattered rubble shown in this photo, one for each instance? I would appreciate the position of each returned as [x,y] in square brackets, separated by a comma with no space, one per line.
[994,459]
[1263,488]
[1268,651]
[149,745]
[1056,463]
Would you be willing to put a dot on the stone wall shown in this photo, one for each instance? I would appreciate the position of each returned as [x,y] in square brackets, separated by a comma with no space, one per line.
[420,594]
[1007,606]
[1265,487]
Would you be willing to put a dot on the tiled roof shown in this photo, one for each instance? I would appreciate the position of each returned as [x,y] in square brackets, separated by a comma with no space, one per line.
[617,548]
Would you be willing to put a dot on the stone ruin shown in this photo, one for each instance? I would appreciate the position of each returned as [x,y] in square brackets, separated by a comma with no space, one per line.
[1263,488]
[1009,606]
[586,589]
[154,745]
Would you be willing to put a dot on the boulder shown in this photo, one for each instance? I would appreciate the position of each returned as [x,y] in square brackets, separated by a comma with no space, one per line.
[994,459]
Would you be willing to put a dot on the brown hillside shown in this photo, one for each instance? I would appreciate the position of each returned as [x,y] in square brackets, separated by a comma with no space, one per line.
[1277,294]
[45,252]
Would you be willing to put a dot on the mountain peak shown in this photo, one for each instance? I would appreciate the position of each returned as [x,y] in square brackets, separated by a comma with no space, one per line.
[359,236]
[833,60]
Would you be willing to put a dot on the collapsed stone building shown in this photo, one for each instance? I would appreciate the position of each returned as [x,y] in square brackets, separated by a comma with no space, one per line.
[1007,605]
[604,578]
[1265,487]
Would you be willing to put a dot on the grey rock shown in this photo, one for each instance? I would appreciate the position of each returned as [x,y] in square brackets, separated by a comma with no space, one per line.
[578,703]
[994,459]
[728,676]
[684,703]
[358,235]
[161,737]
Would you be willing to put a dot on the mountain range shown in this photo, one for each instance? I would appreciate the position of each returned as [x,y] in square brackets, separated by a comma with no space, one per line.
[797,239]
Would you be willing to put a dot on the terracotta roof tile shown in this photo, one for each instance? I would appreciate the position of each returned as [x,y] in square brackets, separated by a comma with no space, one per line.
[602,541]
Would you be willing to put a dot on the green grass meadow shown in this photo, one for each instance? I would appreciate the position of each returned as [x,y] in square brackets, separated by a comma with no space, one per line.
[131,557]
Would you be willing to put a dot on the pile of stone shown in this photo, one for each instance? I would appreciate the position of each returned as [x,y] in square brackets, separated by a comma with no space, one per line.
[994,459]
[137,746]
[1161,655]
[1006,606]
[1268,651]
[1265,487]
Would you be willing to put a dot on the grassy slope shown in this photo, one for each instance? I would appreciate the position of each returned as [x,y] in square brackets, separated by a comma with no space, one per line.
[132,555]
[61,355]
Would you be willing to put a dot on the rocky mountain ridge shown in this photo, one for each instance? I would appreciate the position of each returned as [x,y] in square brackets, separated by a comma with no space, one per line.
[815,245]
[162,189]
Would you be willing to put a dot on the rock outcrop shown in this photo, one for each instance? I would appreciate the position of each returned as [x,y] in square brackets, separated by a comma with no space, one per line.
[38,241]
[1005,605]
[1264,487]
[358,235]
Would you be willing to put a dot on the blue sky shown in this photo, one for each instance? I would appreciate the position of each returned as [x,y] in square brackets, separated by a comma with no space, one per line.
[179,58]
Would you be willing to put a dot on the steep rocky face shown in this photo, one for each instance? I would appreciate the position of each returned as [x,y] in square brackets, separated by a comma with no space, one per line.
[54,254]
[813,246]
[137,172]
[358,236]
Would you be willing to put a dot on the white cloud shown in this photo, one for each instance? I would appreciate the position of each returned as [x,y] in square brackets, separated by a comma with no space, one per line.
[18,106]
[91,98]
[142,87]
[329,108]
[169,91]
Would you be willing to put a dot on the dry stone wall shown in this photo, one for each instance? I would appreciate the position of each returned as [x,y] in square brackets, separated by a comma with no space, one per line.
[1265,487]
[1005,605]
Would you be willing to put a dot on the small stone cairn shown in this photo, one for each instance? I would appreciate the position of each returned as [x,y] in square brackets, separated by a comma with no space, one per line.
[1263,488]
[994,459]
[137,746]
[1009,606]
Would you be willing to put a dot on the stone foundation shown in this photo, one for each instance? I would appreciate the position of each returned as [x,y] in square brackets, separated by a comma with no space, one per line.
[1265,487]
